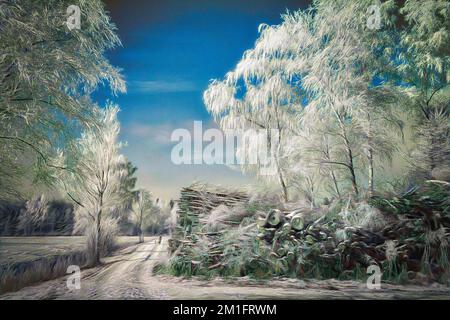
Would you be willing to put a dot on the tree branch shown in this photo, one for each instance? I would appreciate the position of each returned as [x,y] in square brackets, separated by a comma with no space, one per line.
[335,162]
[74,200]
[41,155]
[254,122]
[434,92]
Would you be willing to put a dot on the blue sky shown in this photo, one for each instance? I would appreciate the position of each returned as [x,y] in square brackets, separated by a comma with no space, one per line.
[171,50]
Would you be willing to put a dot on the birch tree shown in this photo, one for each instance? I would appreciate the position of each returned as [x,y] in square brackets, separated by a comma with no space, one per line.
[267,105]
[312,155]
[327,61]
[425,64]
[341,76]
[96,183]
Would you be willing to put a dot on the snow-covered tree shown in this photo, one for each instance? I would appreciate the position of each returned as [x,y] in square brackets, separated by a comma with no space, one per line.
[257,95]
[425,67]
[312,156]
[96,183]
[318,65]
[142,210]
[159,219]
[47,73]
[342,79]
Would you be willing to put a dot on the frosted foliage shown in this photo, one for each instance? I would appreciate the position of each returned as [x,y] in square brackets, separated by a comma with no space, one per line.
[310,77]
[426,69]
[47,74]
[97,181]
[142,210]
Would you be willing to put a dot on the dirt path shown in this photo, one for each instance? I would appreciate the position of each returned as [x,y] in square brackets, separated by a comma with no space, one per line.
[128,275]
[119,277]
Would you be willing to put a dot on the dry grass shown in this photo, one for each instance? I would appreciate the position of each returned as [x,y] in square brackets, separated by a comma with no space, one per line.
[27,260]
[17,275]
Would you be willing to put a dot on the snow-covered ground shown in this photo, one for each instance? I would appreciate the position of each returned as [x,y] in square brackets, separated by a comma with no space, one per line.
[128,275]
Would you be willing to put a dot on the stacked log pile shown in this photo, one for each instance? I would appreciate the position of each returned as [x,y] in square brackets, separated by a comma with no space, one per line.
[202,198]
[413,236]
[197,201]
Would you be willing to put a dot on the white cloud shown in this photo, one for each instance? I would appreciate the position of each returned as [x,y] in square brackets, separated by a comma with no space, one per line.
[157,133]
[162,86]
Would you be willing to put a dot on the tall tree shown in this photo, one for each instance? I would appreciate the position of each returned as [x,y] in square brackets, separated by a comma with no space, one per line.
[128,193]
[425,67]
[263,115]
[142,209]
[343,75]
[318,64]
[97,181]
[47,73]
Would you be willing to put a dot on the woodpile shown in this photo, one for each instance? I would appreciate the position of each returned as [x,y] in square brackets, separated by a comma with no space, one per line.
[304,242]
[201,198]
[198,201]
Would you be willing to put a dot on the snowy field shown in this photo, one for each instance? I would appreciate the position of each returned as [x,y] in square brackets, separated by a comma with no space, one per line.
[23,249]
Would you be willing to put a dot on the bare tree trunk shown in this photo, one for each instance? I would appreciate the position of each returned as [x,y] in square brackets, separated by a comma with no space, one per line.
[311,191]
[371,176]
[280,173]
[141,234]
[282,183]
[352,173]
[336,186]
[370,157]
[350,164]
[333,176]
[98,230]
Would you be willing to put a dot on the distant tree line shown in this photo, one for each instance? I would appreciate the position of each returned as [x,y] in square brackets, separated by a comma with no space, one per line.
[55,217]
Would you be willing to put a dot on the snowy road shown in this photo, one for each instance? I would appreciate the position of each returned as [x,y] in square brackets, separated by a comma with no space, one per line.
[128,275]
[122,276]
